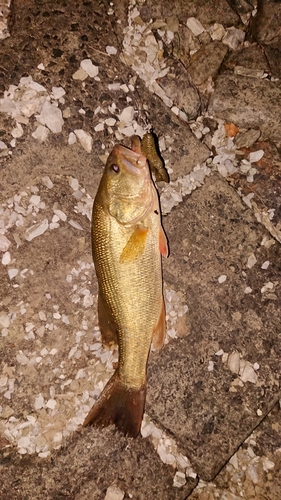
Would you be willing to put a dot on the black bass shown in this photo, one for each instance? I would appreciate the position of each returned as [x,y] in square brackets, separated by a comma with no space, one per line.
[127,242]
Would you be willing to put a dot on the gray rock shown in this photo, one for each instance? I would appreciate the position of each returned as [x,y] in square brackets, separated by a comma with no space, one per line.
[93,460]
[206,413]
[206,62]
[248,102]
[206,12]
[178,87]
[251,57]
[266,26]
[247,139]
[274,61]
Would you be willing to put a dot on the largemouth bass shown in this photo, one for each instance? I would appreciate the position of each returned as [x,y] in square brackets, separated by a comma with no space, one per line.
[127,243]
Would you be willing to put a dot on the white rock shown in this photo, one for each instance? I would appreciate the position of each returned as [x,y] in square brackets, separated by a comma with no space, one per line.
[253,474]
[251,261]
[6,259]
[3,381]
[248,374]
[12,273]
[114,493]
[233,362]
[222,278]
[124,87]
[85,139]
[4,320]
[17,131]
[234,37]
[111,50]
[89,67]
[44,454]
[127,115]
[51,403]
[40,133]
[74,184]
[265,264]
[80,74]
[24,442]
[234,461]
[39,402]
[256,155]
[51,116]
[57,437]
[61,215]
[211,366]
[99,127]
[47,182]
[247,199]
[36,230]
[58,92]
[41,66]
[4,243]
[72,138]
[248,289]
[179,479]
[36,86]
[267,464]
[127,131]
[195,26]
[34,199]
[22,358]
[2,144]
[217,32]
[267,286]
[75,224]
[114,86]
[110,121]
[88,300]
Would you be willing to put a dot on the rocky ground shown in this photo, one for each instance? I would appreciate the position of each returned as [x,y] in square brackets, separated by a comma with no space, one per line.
[75,79]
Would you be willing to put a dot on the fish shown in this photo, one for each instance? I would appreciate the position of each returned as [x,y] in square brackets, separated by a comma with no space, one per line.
[128,240]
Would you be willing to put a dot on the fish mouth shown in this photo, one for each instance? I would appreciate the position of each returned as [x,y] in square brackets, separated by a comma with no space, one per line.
[134,162]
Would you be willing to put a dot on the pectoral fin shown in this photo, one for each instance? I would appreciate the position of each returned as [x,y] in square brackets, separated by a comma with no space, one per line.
[159,331]
[135,245]
[163,243]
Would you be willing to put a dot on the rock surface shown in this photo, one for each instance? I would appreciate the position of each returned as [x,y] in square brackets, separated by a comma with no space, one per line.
[218,125]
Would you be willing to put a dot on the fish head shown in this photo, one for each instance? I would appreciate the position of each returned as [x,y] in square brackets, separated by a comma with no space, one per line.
[126,185]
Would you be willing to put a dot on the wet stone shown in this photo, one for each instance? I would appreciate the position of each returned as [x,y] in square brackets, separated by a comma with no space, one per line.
[266,24]
[207,418]
[207,61]
[251,57]
[179,88]
[248,102]
[112,460]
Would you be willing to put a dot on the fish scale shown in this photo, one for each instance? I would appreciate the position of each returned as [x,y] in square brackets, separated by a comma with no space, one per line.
[127,242]
[130,288]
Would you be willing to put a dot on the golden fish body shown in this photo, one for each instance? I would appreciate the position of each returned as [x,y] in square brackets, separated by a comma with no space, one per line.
[127,240]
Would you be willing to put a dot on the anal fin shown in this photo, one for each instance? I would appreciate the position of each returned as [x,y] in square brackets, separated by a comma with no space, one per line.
[119,405]
[107,327]
[163,242]
[159,332]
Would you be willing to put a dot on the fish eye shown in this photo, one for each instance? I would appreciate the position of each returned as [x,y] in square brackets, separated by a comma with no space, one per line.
[115,168]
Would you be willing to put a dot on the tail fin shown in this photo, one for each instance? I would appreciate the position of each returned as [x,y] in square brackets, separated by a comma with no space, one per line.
[119,405]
